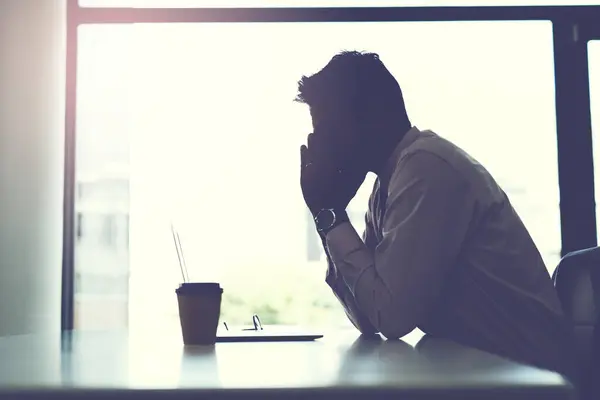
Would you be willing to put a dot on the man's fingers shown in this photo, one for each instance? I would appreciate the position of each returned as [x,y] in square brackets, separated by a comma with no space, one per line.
[303,155]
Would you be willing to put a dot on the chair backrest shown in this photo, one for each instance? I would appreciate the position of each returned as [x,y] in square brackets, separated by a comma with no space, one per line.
[577,282]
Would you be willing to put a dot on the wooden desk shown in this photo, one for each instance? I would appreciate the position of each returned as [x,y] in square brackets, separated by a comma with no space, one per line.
[114,365]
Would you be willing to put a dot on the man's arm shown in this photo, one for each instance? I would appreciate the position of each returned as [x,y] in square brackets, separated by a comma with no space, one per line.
[428,213]
[345,297]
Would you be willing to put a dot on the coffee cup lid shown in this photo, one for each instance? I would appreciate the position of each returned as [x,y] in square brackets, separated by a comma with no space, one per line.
[199,287]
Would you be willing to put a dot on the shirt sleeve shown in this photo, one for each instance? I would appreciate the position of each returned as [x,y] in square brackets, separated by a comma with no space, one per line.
[342,292]
[428,214]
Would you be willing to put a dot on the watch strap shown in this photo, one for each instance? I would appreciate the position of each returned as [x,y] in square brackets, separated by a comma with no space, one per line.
[339,217]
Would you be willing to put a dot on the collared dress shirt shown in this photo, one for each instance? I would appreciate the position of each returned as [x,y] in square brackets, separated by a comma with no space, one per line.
[444,251]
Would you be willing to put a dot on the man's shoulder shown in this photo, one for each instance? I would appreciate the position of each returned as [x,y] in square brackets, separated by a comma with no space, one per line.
[430,146]
[430,142]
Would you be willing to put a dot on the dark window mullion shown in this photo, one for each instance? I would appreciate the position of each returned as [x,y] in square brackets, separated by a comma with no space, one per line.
[574,136]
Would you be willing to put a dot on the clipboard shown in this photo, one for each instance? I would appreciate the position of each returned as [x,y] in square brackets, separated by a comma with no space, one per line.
[268,334]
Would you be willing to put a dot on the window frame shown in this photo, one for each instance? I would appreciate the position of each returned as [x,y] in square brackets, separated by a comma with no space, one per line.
[573,27]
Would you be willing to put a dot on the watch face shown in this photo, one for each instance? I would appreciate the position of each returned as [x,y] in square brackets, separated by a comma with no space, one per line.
[325,219]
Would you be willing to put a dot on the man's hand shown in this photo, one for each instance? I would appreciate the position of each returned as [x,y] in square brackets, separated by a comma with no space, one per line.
[325,183]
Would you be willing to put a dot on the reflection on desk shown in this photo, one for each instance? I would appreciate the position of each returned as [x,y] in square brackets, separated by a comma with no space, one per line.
[114,364]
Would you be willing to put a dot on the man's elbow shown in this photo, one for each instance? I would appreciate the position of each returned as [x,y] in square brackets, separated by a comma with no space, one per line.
[366,330]
[394,326]
[393,333]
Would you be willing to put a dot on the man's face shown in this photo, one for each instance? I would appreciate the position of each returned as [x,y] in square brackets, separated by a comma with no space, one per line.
[342,132]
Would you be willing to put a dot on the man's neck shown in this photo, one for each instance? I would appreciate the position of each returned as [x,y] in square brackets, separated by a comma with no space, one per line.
[384,150]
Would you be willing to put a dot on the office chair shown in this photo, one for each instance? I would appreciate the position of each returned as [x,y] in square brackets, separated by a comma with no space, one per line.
[577,282]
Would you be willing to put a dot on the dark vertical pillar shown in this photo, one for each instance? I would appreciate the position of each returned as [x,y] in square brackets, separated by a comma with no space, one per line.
[574,135]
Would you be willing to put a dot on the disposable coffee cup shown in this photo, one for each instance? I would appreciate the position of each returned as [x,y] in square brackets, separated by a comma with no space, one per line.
[199,311]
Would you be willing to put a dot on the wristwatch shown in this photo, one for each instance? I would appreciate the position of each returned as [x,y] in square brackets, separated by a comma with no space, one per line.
[329,218]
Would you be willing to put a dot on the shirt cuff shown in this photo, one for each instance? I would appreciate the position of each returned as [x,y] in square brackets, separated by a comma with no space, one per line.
[349,253]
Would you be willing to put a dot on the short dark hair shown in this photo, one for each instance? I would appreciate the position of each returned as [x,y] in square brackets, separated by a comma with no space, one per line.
[354,76]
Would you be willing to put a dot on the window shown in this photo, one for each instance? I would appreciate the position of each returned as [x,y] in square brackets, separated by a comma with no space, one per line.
[207,135]
[594,66]
[108,230]
[325,3]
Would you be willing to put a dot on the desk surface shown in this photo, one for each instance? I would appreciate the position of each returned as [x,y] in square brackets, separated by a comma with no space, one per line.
[115,364]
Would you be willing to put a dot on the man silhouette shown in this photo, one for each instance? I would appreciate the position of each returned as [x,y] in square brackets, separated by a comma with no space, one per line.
[443,249]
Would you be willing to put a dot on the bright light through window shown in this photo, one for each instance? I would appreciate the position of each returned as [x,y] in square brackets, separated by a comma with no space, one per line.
[195,124]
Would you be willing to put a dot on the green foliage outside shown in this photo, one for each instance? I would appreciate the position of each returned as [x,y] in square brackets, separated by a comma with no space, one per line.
[288,297]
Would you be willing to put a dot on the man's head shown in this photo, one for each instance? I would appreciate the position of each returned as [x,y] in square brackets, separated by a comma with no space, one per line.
[356,100]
